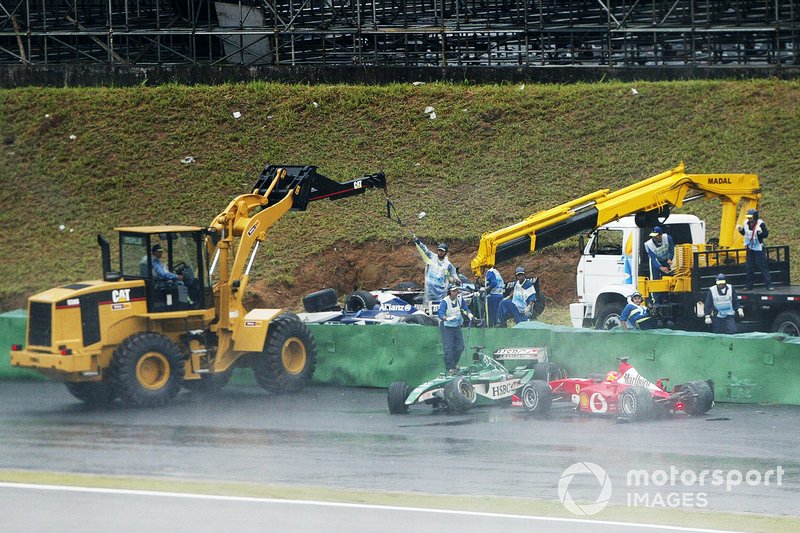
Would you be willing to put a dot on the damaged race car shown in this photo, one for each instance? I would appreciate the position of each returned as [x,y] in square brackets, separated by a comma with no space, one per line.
[362,307]
[486,381]
[626,394]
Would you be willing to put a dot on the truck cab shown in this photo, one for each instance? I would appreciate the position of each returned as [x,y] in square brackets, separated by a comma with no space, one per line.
[612,261]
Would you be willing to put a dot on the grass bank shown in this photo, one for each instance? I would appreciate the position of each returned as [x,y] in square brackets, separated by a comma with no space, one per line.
[94,159]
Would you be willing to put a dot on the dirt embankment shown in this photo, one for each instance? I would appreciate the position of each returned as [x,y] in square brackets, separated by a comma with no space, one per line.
[345,268]
[375,265]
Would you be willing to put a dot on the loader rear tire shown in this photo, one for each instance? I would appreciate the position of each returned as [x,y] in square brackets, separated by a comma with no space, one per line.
[289,357]
[147,370]
[92,392]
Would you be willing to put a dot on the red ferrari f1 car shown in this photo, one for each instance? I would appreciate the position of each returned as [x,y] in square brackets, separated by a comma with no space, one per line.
[623,392]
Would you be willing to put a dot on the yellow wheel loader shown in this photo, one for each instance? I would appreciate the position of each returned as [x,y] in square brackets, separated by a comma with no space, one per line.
[170,315]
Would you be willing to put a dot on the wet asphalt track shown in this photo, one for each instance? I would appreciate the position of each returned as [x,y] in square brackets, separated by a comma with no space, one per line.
[345,438]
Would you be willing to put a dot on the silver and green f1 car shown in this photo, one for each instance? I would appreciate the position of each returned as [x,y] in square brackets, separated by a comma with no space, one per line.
[526,372]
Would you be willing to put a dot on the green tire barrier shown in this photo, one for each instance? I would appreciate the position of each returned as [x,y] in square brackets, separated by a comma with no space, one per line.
[13,326]
[746,368]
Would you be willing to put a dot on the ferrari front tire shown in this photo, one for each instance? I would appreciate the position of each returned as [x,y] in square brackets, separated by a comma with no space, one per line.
[701,398]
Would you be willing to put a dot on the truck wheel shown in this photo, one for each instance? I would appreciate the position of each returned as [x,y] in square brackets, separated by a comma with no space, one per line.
[92,392]
[358,300]
[147,370]
[787,323]
[398,392]
[289,357]
[209,383]
[549,372]
[459,394]
[636,403]
[537,397]
[608,317]
[701,398]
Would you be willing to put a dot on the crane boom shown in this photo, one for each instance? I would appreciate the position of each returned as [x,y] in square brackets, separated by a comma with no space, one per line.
[649,199]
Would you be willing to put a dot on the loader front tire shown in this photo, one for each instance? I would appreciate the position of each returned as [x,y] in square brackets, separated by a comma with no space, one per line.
[289,357]
[147,370]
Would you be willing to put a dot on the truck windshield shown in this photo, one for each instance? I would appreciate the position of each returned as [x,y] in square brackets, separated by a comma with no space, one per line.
[607,242]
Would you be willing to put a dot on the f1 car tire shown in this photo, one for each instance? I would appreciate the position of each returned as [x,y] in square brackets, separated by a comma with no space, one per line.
[459,394]
[289,357]
[92,392]
[537,397]
[147,370]
[358,300]
[398,393]
[319,301]
[787,323]
[549,372]
[608,317]
[701,398]
[636,403]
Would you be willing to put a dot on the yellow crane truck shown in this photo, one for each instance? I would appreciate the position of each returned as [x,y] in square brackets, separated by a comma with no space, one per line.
[614,263]
[141,333]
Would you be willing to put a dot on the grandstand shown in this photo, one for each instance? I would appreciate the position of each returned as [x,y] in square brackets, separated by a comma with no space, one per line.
[415,33]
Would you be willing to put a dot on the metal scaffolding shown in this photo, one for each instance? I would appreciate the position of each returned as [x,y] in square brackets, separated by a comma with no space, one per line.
[444,33]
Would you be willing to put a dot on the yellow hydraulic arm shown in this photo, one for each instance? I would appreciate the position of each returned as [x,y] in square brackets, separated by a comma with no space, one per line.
[650,200]
[248,217]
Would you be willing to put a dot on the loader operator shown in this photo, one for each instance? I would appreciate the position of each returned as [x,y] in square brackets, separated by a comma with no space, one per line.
[439,271]
[159,270]
[451,309]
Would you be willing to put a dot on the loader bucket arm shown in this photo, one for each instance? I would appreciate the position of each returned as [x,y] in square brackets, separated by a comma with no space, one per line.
[308,185]
[248,217]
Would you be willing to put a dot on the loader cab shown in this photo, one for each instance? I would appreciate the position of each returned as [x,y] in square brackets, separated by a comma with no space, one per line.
[183,253]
